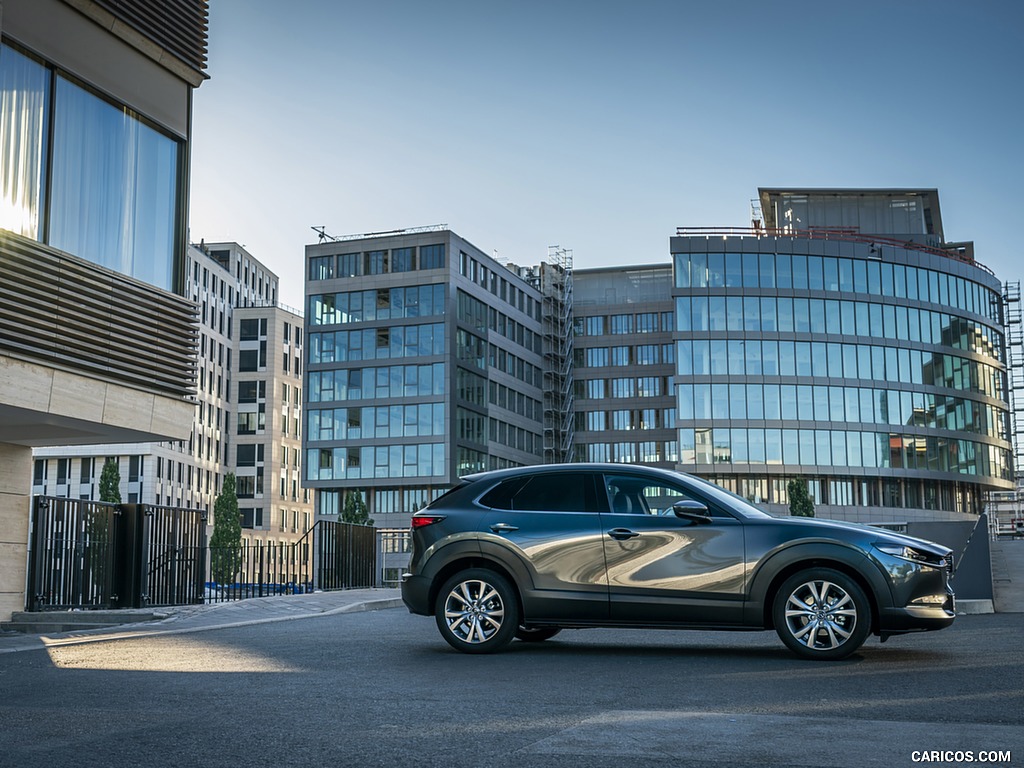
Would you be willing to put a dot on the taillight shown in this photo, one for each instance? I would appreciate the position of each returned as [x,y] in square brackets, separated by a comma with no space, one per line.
[422,521]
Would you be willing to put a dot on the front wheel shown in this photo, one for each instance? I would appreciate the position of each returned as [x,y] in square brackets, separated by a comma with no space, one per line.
[477,611]
[821,614]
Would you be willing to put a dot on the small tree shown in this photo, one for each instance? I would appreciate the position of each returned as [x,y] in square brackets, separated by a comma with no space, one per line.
[354,510]
[97,525]
[226,542]
[800,502]
[110,482]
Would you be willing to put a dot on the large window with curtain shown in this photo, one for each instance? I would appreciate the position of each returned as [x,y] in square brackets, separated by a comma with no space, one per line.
[24,102]
[86,175]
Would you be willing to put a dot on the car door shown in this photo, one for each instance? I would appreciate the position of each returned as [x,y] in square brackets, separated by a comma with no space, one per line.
[667,569]
[548,528]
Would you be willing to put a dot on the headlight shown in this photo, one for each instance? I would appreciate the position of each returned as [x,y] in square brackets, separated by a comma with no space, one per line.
[914,555]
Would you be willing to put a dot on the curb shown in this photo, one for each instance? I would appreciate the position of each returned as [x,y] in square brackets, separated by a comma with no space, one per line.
[974,607]
[366,605]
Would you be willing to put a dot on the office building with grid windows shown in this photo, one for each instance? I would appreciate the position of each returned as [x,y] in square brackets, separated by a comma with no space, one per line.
[623,367]
[844,341]
[267,428]
[424,364]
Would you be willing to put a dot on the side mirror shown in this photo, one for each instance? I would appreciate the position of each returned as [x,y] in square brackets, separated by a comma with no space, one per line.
[693,511]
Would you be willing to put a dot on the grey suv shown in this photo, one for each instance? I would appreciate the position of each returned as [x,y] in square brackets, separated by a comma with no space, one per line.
[523,553]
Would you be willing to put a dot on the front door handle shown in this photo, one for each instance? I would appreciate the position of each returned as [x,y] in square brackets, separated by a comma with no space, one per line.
[621,534]
[504,528]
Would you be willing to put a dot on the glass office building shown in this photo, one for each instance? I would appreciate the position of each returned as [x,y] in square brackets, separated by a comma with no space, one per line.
[842,340]
[425,363]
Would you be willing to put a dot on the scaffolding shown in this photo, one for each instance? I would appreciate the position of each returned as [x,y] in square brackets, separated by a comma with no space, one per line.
[1014,343]
[555,284]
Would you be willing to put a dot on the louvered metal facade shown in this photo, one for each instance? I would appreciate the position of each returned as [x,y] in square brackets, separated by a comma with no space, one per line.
[62,311]
[179,26]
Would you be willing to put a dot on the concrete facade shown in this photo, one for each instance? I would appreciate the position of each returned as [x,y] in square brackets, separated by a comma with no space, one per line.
[15,466]
[95,338]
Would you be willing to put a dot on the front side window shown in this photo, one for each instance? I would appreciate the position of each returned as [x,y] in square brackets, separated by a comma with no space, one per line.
[634,495]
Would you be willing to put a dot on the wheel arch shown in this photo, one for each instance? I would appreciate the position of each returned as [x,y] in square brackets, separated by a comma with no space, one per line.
[465,561]
[849,561]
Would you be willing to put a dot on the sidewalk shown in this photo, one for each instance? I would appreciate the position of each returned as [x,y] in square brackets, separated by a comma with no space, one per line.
[201,618]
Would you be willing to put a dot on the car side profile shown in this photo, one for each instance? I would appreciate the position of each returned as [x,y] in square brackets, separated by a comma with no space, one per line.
[523,553]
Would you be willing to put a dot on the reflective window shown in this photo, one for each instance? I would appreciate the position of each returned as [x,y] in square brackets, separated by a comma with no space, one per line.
[114,191]
[113,196]
[24,101]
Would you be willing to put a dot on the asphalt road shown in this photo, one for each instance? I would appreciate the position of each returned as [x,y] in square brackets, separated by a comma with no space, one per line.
[383,689]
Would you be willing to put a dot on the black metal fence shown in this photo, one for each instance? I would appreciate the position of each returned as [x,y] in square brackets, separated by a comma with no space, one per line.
[173,555]
[259,569]
[74,554]
[346,554]
[88,554]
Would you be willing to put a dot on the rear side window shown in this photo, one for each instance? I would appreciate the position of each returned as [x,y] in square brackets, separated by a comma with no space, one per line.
[557,492]
[441,500]
[500,496]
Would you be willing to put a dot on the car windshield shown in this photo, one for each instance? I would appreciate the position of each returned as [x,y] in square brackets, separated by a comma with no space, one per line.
[733,501]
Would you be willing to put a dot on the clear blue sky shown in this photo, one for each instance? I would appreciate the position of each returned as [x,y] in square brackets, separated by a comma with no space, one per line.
[598,126]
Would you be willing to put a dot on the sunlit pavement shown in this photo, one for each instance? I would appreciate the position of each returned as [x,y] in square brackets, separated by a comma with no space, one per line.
[199,618]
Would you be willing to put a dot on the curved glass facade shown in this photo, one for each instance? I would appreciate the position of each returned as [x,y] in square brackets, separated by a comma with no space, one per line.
[876,372]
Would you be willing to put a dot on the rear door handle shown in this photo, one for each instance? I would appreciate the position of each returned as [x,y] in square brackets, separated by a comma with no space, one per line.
[621,534]
[504,528]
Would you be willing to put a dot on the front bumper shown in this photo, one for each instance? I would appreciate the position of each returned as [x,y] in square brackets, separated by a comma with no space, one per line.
[917,618]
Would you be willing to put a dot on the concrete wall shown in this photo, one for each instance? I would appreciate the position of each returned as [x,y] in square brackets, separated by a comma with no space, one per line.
[970,544]
[15,500]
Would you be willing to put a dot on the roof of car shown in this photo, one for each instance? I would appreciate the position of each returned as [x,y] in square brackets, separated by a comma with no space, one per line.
[499,474]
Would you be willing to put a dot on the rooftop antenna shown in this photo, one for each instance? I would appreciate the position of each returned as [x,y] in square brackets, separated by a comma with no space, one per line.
[323,234]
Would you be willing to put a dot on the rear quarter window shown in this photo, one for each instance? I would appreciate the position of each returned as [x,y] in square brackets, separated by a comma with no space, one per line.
[500,496]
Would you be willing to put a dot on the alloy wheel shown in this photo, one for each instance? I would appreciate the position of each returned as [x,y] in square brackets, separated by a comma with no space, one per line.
[474,611]
[821,615]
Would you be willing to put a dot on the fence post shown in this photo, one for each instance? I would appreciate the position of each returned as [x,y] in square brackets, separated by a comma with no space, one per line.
[34,596]
[201,562]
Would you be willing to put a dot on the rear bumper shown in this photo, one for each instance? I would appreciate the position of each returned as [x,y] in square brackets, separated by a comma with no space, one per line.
[416,594]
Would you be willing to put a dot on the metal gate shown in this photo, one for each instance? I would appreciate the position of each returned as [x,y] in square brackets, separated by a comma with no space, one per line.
[89,554]
[74,554]
[346,555]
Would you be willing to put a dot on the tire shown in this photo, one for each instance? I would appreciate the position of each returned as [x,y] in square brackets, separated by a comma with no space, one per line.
[536,634]
[477,611]
[821,614]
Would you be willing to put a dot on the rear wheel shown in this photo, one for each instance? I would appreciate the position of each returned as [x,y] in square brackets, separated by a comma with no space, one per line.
[821,614]
[536,634]
[477,611]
